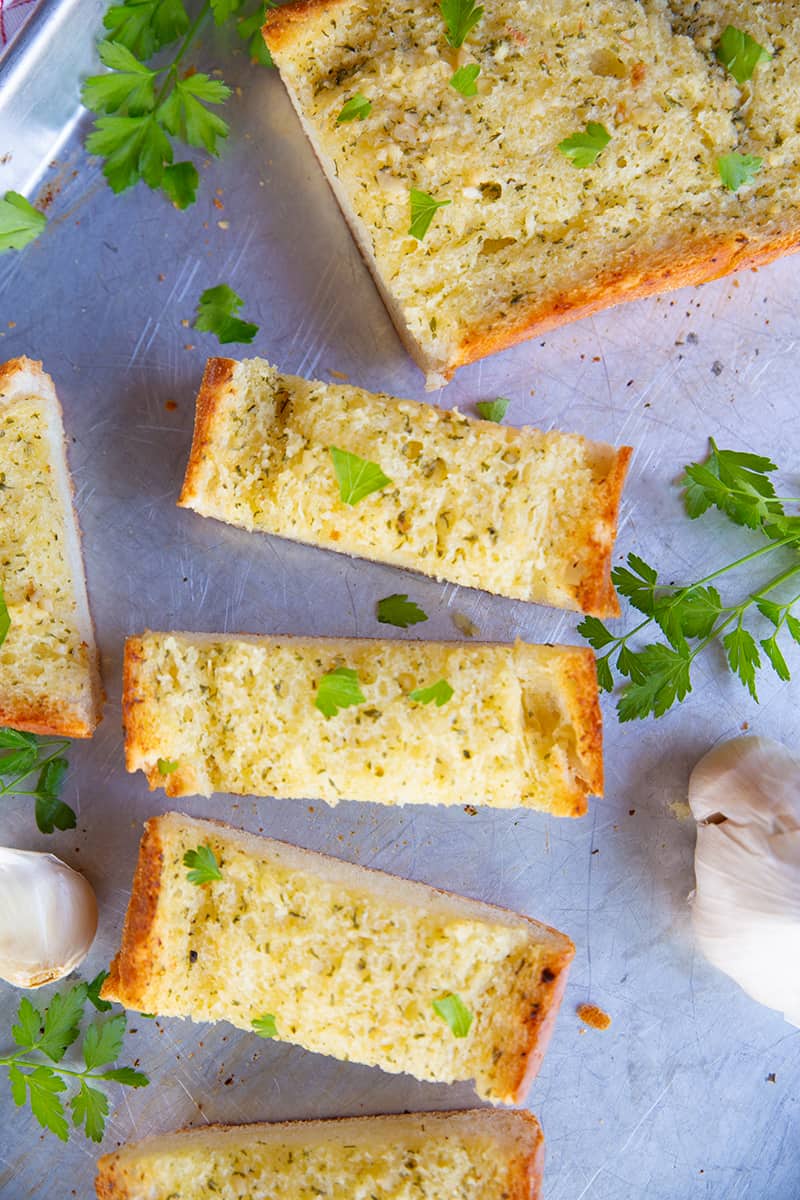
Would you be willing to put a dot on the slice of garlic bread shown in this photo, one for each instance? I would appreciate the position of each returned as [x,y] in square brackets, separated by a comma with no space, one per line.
[339,959]
[505,726]
[49,676]
[517,512]
[583,161]
[478,1154]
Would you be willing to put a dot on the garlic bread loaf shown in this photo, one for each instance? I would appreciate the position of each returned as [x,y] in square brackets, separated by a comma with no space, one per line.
[517,512]
[396,722]
[226,926]
[49,676]
[480,1154]
[483,219]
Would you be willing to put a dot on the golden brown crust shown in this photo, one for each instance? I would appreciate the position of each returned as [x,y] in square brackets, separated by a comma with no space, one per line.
[139,731]
[539,1022]
[130,971]
[217,378]
[526,1166]
[596,594]
[48,720]
[705,260]
[579,682]
[283,23]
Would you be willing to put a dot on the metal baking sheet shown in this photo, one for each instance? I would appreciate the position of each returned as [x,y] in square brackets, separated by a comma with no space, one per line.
[694,1090]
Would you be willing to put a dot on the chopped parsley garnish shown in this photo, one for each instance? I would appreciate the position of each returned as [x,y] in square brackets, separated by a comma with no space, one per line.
[338,689]
[440,692]
[453,1010]
[357,108]
[463,80]
[202,864]
[423,208]
[493,410]
[216,311]
[356,476]
[166,766]
[265,1026]
[737,170]
[20,222]
[740,54]
[583,149]
[460,16]
[400,611]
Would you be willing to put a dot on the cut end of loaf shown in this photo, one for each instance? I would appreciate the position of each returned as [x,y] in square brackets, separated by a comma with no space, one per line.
[49,671]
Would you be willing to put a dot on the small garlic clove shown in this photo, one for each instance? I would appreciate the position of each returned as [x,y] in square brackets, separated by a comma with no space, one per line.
[745,795]
[48,918]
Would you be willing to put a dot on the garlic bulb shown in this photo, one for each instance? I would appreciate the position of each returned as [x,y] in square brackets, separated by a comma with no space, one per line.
[745,796]
[48,918]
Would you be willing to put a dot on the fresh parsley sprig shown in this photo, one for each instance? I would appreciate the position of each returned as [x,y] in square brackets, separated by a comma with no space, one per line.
[460,16]
[144,110]
[24,754]
[216,313]
[584,148]
[36,1072]
[357,477]
[692,617]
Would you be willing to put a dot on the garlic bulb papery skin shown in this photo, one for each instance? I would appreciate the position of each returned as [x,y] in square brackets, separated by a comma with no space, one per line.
[745,796]
[48,918]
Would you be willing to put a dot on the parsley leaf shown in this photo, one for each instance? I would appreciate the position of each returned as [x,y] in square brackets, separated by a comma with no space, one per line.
[463,80]
[51,811]
[357,477]
[493,410]
[453,1010]
[423,208]
[215,314]
[775,656]
[595,632]
[736,483]
[265,1026]
[31,1025]
[93,992]
[743,656]
[583,149]
[358,107]
[202,864]
[736,170]
[103,1041]
[61,1022]
[180,182]
[129,83]
[338,689]
[249,29]
[134,148]
[43,1086]
[740,54]
[184,116]
[167,766]
[400,611]
[664,678]
[90,1109]
[440,692]
[127,1075]
[144,26]
[20,222]
[460,16]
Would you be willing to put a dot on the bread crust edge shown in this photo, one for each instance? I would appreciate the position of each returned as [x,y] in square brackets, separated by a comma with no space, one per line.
[112,1182]
[217,377]
[129,973]
[596,594]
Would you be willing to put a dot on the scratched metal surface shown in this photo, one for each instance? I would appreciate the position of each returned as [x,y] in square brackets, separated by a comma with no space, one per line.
[674,1100]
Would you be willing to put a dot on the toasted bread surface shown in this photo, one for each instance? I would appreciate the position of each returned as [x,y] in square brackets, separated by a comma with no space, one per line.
[517,512]
[49,675]
[384,949]
[527,240]
[237,713]
[475,1154]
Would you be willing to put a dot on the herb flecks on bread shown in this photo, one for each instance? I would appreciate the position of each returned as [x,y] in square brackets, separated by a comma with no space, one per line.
[527,241]
[49,680]
[349,962]
[517,512]
[239,714]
